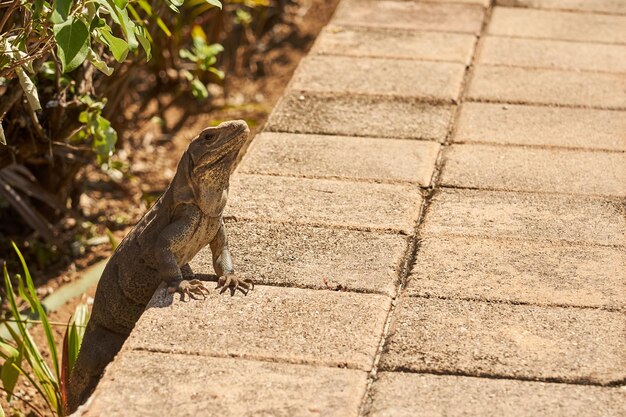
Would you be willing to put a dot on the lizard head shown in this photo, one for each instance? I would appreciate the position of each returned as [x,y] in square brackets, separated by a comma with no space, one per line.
[217,145]
[205,167]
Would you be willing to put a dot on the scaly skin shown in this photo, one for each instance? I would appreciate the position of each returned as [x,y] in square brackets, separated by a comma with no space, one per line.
[186,218]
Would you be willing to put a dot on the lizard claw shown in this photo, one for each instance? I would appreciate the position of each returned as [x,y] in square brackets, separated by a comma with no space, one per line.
[194,289]
[232,283]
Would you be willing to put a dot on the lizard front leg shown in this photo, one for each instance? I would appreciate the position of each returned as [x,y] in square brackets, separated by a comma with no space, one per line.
[172,239]
[223,265]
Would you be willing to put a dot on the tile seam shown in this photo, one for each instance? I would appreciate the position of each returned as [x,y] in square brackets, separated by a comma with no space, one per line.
[373,229]
[563,9]
[617,383]
[559,69]
[551,242]
[378,56]
[543,38]
[542,104]
[528,191]
[338,178]
[254,358]
[537,146]
[400,29]
[498,301]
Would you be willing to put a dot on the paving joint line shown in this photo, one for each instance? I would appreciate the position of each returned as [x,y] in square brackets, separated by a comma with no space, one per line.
[337,178]
[541,38]
[374,96]
[370,96]
[495,238]
[484,375]
[402,29]
[540,192]
[354,136]
[538,146]
[519,303]
[499,35]
[559,69]
[264,359]
[399,58]
[372,229]
[564,9]
[543,104]
[364,291]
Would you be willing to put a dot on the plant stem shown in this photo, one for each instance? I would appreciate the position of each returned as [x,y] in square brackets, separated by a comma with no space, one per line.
[52,323]
[8,13]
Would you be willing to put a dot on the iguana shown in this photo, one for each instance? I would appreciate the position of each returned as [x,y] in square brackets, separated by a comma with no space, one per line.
[186,218]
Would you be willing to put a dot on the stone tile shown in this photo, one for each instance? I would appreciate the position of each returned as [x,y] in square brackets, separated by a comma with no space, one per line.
[605,6]
[395,394]
[410,15]
[526,216]
[540,125]
[502,340]
[342,157]
[360,116]
[437,81]
[149,384]
[520,272]
[312,257]
[548,24]
[400,44]
[532,169]
[330,328]
[539,53]
[543,86]
[327,202]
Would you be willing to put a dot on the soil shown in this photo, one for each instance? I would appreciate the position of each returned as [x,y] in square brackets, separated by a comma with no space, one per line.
[154,138]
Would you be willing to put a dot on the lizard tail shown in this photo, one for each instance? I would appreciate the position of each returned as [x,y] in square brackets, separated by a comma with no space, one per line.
[98,349]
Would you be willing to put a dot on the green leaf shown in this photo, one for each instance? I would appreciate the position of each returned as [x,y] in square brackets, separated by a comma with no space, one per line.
[72,38]
[220,74]
[77,332]
[105,138]
[187,54]
[98,63]
[61,10]
[38,8]
[3,139]
[198,89]
[29,89]
[10,373]
[215,3]
[118,46]
[120,16]
[144,39]
[121,3]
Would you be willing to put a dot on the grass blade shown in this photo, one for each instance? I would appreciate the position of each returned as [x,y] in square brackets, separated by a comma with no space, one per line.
[34,302]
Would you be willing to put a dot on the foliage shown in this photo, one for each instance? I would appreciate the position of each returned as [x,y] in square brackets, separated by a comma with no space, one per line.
[69,69]
[23,358]
[57,54]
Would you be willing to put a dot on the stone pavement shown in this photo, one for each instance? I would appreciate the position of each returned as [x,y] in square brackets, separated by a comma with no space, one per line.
[435,215]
